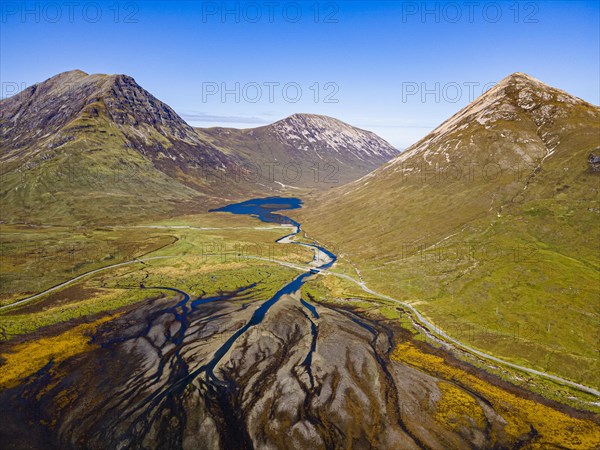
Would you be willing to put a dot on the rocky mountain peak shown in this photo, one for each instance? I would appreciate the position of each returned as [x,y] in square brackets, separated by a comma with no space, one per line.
[49,106]
[529,93]
[516,98]
[520,77]
[127,103]
[313,131]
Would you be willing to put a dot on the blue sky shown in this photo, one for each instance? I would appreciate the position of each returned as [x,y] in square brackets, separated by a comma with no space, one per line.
[397,68]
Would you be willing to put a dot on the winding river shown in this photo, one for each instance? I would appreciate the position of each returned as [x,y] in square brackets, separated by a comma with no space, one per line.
[264,209]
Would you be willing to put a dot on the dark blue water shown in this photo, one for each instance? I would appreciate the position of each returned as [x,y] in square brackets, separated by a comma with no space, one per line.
[256,318]
[264,209]
[310,307]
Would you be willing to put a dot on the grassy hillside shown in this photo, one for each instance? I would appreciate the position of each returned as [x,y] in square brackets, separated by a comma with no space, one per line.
[489,226]
[93,178]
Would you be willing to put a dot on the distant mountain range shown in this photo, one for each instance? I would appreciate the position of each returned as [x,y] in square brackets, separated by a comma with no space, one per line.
[490,223]
[78,138]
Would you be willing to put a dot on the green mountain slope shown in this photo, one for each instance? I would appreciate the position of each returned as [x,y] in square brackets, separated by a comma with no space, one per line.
[489,225]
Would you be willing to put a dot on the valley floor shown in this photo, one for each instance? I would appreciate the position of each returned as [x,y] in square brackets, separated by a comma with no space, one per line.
[136,350]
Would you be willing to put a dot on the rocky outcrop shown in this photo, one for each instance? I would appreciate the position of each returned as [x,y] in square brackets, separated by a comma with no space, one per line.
[594,162]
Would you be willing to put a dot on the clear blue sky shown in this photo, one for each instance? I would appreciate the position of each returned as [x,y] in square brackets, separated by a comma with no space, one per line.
[370,53]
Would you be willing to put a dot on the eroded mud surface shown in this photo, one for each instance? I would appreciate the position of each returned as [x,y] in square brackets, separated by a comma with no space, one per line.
[305,376]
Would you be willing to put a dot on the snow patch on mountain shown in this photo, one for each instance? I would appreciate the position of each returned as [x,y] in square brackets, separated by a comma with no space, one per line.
[319,133]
